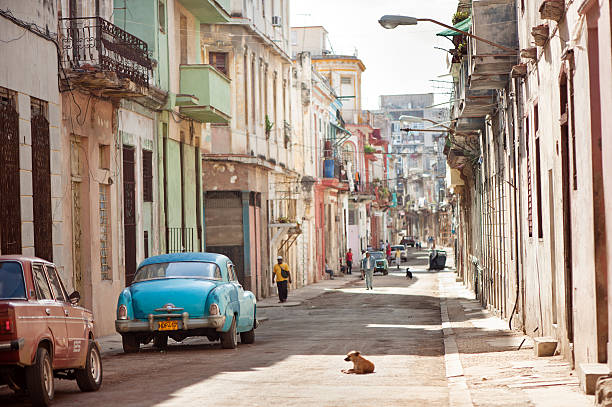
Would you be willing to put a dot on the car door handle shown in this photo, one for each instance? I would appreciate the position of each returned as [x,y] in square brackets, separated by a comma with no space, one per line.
[47,311]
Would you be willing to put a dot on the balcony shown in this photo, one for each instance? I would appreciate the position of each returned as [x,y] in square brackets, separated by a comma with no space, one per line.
[205,94]
[209,11]
[100,57]
[490,66]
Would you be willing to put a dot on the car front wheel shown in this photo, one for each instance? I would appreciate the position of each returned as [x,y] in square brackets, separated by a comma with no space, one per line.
[130,343]
[90,378]
[39,379]
[229,339]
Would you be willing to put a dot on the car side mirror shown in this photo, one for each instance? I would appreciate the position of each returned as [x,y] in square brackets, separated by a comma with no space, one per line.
[74,298]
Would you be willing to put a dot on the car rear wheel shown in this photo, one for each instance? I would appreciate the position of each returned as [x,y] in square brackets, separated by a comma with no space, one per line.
[160,341]
[248,336]
[229,339]
[39,378]
[90,378]
[130,343]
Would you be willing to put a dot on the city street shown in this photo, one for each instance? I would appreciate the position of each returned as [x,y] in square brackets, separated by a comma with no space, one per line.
[299,352]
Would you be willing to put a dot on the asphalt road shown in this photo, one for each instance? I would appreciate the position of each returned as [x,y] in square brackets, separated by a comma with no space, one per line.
[297,356]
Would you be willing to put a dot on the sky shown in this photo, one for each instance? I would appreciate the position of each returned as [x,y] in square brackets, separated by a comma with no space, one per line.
[402,60]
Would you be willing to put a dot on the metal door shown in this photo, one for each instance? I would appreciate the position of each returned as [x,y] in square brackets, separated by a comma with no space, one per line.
[10,207]
[129,214]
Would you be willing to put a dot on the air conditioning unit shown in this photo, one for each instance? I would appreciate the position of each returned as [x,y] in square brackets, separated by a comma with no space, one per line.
[277,21]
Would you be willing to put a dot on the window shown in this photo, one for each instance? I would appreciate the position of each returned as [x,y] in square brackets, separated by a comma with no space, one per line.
[161,16]
[105,247]
[346,80]
[529,197]
[572,123]
[539,190]
[219,61]
[246,92]
[183,39]
[12,284]
[104,156]
[147,176]
[178,269]
[56,284]
[41,178]
[231,272]
[43,291]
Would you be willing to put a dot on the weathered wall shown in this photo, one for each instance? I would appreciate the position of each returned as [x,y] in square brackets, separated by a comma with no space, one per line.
[83,134]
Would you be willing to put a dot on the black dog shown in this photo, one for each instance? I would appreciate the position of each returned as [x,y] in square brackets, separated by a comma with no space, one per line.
[408,273]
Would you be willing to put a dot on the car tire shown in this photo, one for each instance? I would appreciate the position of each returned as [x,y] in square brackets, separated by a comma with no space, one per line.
[90,378]
[39,379]
[130,343]
[229,339]
[248,337]
[160,341]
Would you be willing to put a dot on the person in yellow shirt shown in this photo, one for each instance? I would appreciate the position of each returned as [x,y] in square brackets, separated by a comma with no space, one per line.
[282,276]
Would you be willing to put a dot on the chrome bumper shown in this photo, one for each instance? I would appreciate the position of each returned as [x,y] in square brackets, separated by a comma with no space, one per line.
[16,344]
[185,323]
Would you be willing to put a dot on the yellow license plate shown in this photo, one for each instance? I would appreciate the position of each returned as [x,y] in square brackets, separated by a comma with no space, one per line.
[168,325]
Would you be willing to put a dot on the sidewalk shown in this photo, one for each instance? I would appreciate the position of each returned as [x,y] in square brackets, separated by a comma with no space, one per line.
[298,296]
[484,364]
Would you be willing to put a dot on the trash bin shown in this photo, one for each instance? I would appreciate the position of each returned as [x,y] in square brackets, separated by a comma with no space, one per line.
[437,260]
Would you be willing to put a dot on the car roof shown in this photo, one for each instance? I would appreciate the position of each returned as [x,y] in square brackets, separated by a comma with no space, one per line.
[22,258]
[182,257]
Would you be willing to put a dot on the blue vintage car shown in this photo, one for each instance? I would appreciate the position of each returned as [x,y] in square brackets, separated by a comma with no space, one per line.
[185,294]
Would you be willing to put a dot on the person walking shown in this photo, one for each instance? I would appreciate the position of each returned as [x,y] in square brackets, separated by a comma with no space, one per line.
[388,252]
[282,275]
[349,262]
[368,270]
[398,257]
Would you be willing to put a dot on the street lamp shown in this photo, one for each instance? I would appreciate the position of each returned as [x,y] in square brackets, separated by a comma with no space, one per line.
[391,21]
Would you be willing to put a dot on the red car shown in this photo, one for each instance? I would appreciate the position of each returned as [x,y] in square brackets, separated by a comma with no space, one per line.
[43,332]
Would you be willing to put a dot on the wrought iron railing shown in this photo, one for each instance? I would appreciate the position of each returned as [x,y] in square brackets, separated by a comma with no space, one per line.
[91,44]
[179,240]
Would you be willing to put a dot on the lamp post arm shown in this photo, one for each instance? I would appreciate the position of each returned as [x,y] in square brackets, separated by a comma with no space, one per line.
[468,34]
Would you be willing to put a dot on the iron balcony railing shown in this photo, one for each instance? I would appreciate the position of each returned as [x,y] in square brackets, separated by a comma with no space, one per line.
[91,44]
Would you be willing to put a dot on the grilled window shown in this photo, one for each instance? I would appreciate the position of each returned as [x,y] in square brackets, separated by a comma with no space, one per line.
[105,247]
[41,177]
[147,175]
[219,61]
[529,196]
[10,205]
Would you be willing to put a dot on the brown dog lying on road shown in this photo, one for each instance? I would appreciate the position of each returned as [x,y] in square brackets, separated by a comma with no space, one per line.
[360,364]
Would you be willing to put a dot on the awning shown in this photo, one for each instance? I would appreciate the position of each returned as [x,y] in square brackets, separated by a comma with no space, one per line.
[464,25]
[345,137]
[342,129]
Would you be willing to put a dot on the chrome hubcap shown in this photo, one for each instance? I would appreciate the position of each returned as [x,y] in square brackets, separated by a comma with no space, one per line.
[94,363]
[48,377]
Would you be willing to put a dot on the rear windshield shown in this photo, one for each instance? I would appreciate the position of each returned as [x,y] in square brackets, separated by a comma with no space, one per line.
[178,269]
[378,255]
[397,247]
[11,280]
